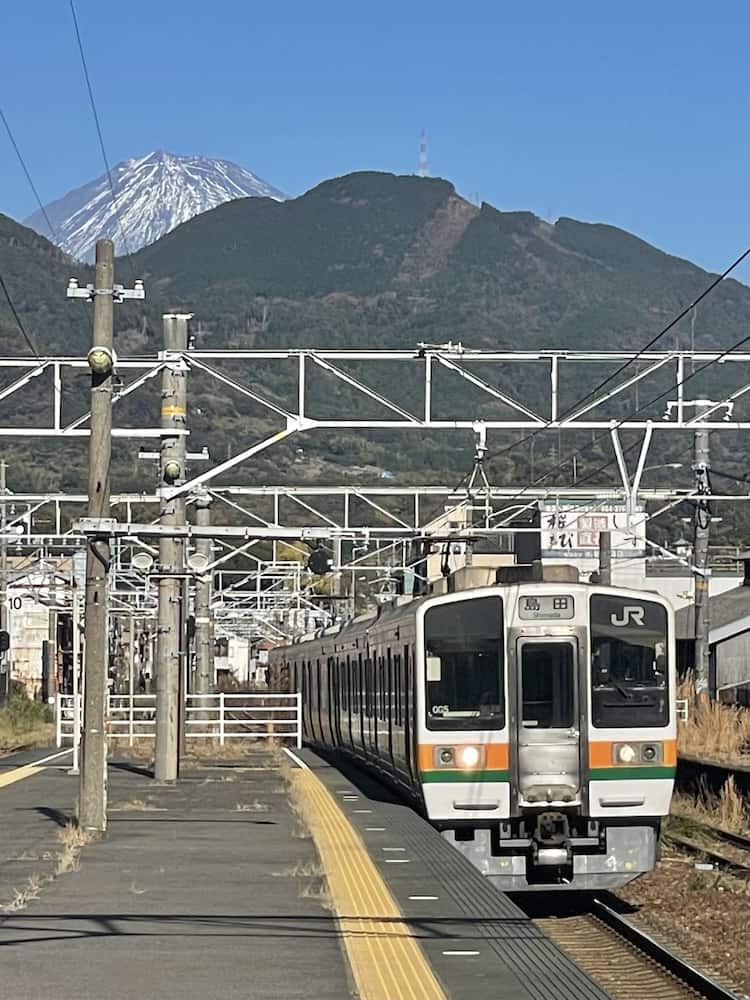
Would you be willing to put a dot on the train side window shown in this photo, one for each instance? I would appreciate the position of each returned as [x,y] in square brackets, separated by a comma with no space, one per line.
[397,680]
[358,685]
[381,687]
[464,664]
[368,686]
[344,675]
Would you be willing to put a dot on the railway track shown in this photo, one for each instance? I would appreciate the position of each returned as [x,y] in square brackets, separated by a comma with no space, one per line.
[626,960]
[727,851]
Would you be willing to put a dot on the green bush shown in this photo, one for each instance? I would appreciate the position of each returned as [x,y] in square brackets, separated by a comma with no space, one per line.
[23,714]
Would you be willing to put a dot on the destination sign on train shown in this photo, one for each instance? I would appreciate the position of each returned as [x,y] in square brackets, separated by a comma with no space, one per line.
[547,606]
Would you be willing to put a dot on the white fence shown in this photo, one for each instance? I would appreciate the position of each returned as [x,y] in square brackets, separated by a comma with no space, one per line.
[221,717]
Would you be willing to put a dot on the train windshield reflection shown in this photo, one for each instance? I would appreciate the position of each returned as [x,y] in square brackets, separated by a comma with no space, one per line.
[464,663]
[628,662]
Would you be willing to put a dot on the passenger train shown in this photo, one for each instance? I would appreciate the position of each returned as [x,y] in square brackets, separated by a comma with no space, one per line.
[532,722]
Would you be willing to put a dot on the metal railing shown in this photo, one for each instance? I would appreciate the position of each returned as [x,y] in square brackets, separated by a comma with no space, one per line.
[219,716]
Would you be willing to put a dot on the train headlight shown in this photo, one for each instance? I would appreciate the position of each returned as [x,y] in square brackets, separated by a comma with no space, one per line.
[651,753]
[625,753]
[469,756]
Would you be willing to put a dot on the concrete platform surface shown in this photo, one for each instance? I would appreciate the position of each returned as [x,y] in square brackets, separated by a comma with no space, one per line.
[200,890]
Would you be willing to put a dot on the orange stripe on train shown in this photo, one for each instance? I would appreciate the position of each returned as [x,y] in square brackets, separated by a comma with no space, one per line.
[497,755]
[600,752]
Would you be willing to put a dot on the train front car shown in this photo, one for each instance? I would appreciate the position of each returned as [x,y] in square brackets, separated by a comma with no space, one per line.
[546,731]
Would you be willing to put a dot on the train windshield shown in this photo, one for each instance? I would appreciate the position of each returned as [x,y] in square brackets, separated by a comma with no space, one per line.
[629,676]
[463,644]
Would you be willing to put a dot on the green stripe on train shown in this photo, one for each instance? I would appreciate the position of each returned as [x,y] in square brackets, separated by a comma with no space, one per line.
[447,775]
[630,773]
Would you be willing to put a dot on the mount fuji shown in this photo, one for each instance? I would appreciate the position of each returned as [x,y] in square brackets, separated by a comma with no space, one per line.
[154,194]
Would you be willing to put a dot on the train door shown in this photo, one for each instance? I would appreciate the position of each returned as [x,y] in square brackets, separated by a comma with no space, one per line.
[549,740]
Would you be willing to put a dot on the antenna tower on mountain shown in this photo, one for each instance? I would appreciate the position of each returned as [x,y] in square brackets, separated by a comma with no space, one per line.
[423,167]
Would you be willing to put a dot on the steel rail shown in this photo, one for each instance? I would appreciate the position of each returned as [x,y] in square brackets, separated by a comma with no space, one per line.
[659,953]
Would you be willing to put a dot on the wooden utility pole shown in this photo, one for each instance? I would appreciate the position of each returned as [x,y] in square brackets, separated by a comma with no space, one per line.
[605,558]
[204,631]
[92,798]
[93,782]
[4,616]
[170,641]
[701,571]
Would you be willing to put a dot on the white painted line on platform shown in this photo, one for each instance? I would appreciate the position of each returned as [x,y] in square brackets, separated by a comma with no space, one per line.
[460,952]
[375,829]
[351,798]
[392,848]
[361,811]
[397,861]
[424,898]
[297,760]
[52,756]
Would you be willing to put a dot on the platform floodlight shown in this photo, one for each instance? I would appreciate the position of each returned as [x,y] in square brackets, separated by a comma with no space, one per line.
[142,560]
[197,561]
[101,360]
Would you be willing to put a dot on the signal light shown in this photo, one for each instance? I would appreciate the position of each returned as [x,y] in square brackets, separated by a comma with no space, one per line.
[319,562]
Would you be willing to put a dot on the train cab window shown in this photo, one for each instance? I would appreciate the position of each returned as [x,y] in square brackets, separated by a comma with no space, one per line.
[464,664]
[629,675]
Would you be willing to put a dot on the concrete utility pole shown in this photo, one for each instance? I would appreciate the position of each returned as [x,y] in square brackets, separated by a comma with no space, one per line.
[4,617]
[204,630]
[700,559]
[170,641]
[605,558]
[92,814]
[93,782]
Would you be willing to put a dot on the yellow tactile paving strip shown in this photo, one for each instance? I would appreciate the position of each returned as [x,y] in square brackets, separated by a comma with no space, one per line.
[387,961]
[18,774]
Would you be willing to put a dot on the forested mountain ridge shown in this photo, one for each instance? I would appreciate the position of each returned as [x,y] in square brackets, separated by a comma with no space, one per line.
[373,260]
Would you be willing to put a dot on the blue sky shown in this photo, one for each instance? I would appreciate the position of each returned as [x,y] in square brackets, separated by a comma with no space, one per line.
[635,113]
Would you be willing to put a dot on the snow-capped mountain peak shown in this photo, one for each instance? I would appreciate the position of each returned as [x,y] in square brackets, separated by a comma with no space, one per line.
[154,193]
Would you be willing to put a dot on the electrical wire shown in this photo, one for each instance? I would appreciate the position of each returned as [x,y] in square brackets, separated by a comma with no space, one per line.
[580,402]
[19,323]
[618,423]
[101,137]
[25,169]
[680,316]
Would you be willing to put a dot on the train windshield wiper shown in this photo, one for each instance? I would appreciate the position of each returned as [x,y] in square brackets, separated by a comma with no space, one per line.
[623,692]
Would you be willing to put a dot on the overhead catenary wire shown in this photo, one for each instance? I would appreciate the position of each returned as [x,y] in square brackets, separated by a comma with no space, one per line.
[25,169]
[19,322]
[657,337]
[97,123]
[618,423]
[604,382]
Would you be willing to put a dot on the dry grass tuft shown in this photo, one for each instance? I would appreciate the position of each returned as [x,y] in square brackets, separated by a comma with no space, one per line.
[728,809]
[318,890]
[137,805]
[22,897]
[303,869]
[73,839]
[713,729]
[252,807]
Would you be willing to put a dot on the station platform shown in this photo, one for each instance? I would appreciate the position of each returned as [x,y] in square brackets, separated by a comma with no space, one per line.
[215,887]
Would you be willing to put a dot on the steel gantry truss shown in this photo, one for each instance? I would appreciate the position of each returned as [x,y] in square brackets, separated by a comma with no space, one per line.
[342,390]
